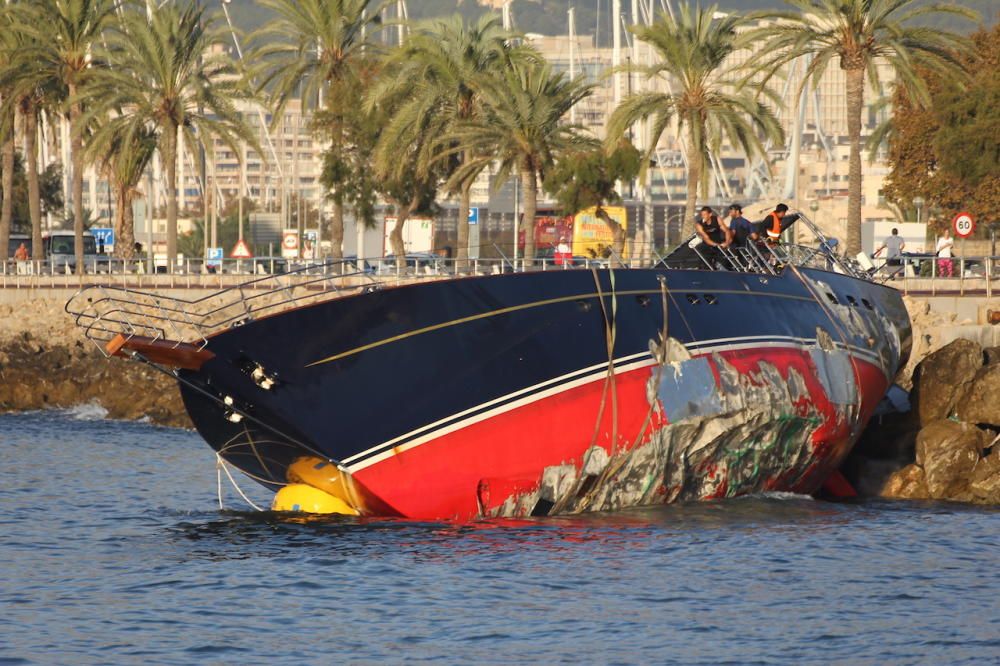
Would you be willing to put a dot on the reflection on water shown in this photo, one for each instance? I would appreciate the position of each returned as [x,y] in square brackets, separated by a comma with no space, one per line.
[113,551]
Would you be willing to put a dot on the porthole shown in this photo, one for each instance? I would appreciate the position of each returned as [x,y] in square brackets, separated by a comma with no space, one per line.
[852,300]
[642,300]
[711,299]
[693,299]
[867,303]
[832,298]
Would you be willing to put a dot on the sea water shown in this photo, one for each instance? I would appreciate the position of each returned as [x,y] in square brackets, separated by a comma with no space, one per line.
[113,549]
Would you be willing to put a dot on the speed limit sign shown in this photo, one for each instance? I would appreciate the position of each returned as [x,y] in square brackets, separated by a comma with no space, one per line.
[963,224]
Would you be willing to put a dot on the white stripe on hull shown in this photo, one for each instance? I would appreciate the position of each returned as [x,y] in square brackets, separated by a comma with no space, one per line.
[564,383]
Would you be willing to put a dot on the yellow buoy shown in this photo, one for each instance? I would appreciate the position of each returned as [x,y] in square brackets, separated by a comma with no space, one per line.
[307,499]
[321,474]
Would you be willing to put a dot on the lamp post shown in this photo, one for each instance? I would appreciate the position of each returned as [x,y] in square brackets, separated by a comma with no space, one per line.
[919,203]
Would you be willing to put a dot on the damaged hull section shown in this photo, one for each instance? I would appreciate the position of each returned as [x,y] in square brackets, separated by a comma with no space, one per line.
[536,394]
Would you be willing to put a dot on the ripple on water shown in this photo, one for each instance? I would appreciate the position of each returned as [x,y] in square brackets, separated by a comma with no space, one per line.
[114,551]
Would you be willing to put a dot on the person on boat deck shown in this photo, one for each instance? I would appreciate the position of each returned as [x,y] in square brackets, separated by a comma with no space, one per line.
[21,253]
[893,245]
[743,229]
[714,236]
[772,224]
[945,243]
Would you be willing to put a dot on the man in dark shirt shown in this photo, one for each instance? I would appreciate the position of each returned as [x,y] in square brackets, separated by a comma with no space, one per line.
[742,228]
[713,237]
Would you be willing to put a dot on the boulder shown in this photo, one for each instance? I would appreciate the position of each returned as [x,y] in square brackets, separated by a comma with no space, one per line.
[980,402]
[985,484]
[907,483]
[991,355]
[943,377]
[948,452]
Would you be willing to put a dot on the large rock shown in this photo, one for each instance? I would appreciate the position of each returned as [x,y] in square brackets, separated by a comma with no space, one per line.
[907,483]
[948,452]
[980,402]
[985,484]
[943,377]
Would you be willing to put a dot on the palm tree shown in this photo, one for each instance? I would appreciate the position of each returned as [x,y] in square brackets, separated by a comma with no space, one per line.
[167,79]
[709,100]
[859,35]
[437,71]
[521,127]
[63,36]
[123,158]
[310,49]
[29,89]
[7,135]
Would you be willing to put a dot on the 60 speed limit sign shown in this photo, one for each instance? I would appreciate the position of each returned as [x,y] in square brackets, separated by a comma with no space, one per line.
[963,224]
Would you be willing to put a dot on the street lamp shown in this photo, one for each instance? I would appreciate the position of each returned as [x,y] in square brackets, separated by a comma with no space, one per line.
[919,203]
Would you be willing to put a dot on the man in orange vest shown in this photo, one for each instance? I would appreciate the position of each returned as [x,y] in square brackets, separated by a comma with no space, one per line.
[772,224]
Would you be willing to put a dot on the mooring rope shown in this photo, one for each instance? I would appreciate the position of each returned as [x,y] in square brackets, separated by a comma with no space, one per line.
[220,464]
[610,329]
[840,331]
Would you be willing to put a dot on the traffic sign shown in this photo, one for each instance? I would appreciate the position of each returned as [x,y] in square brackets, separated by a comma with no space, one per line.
[241,251]
[214,257]
[290,243]
[105,237]
[474,215]
[963,224]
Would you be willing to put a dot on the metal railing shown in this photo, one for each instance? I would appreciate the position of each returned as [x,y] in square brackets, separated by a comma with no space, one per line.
[104,311]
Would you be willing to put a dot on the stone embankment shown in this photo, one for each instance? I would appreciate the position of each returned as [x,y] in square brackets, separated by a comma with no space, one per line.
[947,446]
[46,362]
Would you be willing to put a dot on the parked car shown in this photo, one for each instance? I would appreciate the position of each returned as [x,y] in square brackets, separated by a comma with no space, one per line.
[60,250]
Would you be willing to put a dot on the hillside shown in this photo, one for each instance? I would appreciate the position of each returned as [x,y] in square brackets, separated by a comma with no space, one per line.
[549,17]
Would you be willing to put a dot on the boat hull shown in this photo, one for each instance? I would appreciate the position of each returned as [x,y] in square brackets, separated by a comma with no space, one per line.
[558,392]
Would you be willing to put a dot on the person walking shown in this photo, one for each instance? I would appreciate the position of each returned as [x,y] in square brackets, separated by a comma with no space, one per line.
[21,257]
[945,243]
[893,245]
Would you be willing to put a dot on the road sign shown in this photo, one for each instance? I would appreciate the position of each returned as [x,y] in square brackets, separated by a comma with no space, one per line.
[214,257]
[290,243]
[963,224]
[105,237]
[241,251]
[474,215]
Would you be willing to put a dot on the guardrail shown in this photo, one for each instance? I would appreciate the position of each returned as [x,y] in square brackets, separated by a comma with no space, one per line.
[930,274]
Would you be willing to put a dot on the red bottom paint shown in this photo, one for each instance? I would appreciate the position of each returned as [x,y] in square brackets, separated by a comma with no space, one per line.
[447,476]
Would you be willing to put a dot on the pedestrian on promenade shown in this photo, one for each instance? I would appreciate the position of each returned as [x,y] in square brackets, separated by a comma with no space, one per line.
[945,265]
[21,257]
[893,245]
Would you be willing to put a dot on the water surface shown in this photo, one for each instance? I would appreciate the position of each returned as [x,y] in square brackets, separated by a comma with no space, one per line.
[114,550]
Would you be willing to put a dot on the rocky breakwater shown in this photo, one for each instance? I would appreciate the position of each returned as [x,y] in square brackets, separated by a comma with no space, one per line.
[45,362]
[948,445]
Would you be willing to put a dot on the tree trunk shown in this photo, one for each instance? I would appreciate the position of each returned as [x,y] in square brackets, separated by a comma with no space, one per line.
[7,183]
[31,168]
[617,230]
[124,223]
[169,159]
[76,158]
[462,251]
[396,237]
[530,186]
[855,101]
[337,232]
[693,180]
